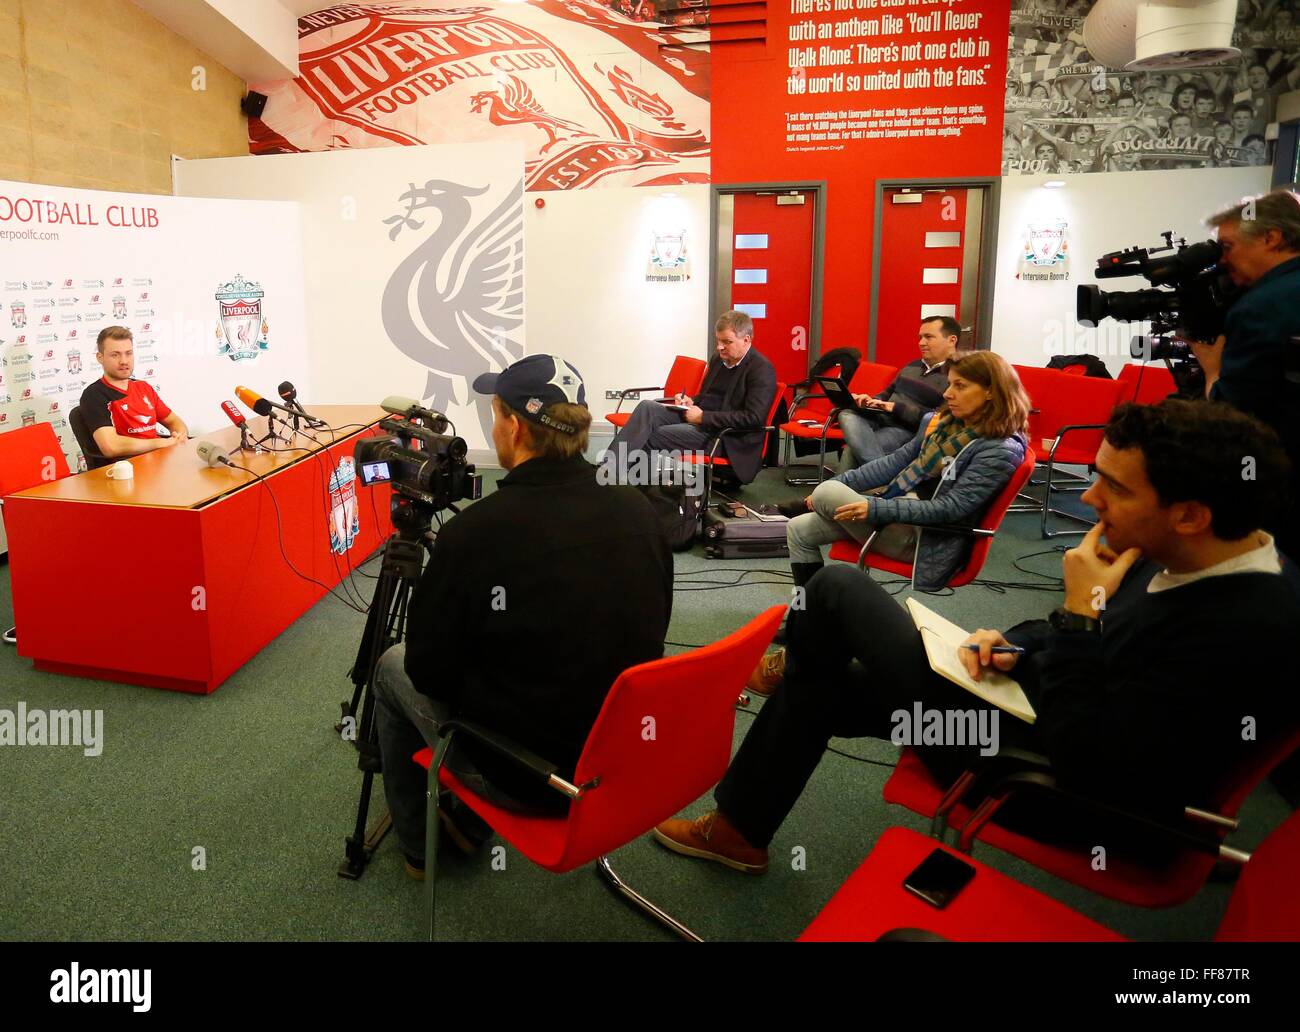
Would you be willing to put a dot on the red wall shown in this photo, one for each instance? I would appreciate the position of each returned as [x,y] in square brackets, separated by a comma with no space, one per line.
[750,102]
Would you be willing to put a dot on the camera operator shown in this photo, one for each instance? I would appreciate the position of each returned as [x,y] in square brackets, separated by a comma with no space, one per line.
[535,599]
[1246,366]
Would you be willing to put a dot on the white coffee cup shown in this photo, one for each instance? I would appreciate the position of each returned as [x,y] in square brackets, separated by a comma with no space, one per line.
[121,470]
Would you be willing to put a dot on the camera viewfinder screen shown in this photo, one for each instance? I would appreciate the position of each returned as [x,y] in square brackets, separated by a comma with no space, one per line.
[372,472]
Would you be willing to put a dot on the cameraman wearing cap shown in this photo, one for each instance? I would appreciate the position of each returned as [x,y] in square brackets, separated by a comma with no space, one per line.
[1246,367]
[535,599]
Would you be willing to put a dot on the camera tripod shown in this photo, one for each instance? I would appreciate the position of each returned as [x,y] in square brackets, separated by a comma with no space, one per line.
[402,563]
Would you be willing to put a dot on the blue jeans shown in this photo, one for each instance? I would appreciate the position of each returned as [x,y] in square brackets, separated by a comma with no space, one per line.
[869,440]
[407,721]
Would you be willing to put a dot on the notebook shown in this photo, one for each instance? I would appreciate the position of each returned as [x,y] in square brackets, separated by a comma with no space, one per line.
[941,638]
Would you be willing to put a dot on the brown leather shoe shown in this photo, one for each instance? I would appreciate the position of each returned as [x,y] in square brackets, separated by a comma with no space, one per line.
[712,837]
[768,675]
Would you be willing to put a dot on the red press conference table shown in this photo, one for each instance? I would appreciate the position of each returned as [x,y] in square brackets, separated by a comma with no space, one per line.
[175,579]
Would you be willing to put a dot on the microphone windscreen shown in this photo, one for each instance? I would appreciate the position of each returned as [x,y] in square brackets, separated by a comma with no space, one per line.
[262,407]
[209,452]
[249,398]
[287,391]
[235,416]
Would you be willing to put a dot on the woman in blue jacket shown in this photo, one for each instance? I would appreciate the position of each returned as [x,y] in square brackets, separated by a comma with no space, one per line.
[961,457]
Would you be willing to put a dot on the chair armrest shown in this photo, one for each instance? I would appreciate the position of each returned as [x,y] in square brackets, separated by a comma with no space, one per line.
[1042,783]
[713,452]
[543,770]
[1060,435]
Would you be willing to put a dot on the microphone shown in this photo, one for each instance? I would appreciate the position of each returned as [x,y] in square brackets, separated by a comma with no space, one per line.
[411,409]
[289,395]
[257,403]
[212,454]
[233,413]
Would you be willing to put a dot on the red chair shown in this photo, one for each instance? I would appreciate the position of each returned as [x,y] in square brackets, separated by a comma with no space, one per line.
[622,790]
[812,417]
[1146,384]
[714,461]
[1068,417]
[982,532]
[685,377]
[29,456]
[1264,906]
[912,785]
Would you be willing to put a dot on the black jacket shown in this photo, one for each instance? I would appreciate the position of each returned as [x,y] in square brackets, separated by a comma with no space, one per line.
[1152,712]
[744,407]
[1258,327]
[534,601]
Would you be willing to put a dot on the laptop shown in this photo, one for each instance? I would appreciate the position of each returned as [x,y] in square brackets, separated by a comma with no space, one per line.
[838,393]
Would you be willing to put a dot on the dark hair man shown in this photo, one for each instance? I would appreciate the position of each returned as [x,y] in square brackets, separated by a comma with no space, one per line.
[503,630]
[123,414]
[1157,675]
[1247,366]
[737,393]
[901,405]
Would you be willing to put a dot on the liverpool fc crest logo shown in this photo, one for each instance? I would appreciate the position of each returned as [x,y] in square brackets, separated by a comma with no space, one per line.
[345,523]
[242,328]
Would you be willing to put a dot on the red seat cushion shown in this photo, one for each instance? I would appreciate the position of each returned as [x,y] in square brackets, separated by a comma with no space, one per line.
[619,418]
[814,432]
[991,907]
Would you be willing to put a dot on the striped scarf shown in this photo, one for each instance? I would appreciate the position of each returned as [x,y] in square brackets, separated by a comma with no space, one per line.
[945,440]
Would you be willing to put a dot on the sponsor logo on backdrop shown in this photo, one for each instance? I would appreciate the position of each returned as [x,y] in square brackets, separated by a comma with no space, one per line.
[66,285]
[67,302]
[74,361]
[455,302]
[4,416]
[142,281]
[241,324]
[47,338]
[29,416]
[345,522]
[43,302]
[51,389]
[119,307]
[18,315]
[42,284]
[15,284]
[592,95]
[141,313]
[90,283]
[26,376]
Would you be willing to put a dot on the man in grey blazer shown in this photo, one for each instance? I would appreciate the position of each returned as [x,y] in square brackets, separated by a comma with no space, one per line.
[737,394]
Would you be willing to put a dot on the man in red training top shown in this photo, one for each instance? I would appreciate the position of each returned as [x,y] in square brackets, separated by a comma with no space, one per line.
[123,414]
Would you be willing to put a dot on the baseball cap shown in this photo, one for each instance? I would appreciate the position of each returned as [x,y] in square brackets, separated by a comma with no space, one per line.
[533,384]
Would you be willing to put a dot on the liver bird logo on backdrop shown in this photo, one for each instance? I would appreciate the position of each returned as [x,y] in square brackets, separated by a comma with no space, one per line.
[593,96]
[455,304]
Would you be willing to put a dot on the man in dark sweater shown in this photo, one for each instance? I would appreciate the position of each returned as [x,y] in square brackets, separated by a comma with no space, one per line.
[513,624]
[736,394]
[1162,671]
[897,410]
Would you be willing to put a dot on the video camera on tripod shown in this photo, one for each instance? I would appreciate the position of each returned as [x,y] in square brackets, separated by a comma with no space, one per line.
[426,468]
[428,472]
[1191,295]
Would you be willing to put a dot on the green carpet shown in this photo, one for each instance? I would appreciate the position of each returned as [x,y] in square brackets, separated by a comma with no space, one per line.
[102,848]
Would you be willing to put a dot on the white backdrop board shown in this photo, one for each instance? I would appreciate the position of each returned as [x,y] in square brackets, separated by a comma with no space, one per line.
[1034,307]
[75,261]
[414,266]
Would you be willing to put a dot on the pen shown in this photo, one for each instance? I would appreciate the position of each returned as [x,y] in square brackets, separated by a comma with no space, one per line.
[1011,650]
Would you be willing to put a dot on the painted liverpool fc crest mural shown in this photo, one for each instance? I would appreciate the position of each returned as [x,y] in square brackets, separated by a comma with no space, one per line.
[599,93]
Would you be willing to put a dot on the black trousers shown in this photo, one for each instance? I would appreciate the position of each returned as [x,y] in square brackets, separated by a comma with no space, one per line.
[846,617]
